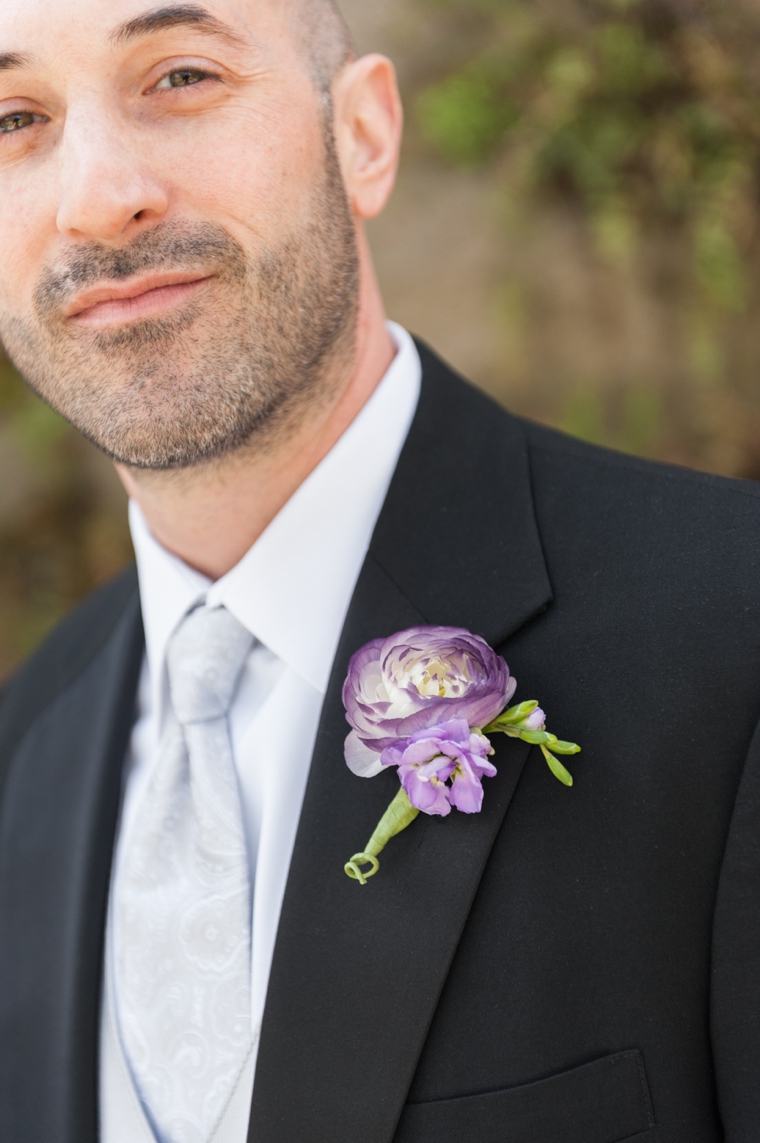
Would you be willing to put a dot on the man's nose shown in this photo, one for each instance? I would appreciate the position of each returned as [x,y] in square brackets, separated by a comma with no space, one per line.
[107,188]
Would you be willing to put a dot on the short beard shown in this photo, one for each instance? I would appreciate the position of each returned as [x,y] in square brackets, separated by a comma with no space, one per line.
[261,345]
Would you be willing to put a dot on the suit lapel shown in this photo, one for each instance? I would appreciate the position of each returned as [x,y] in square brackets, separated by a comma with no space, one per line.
[357,971]
[56,840]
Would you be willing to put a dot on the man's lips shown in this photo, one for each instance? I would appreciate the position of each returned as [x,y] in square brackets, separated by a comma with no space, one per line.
[119,302]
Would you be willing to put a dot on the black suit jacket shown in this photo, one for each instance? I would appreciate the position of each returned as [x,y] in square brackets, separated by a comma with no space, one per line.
[568,966]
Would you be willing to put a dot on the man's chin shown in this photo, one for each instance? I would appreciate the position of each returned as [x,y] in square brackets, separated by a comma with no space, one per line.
[157,440]
[152,454]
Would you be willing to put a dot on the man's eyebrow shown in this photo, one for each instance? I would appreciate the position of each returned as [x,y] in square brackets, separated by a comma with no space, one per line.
[159,19]
[10,60]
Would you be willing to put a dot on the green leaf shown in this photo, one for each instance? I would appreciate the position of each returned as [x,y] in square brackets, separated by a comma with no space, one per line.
[556,767]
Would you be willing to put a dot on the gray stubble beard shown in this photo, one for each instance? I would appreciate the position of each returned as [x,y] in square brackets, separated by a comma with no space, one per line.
[176,392]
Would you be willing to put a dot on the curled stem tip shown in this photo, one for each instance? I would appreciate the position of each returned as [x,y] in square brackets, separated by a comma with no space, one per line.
[398,816]
[352,867]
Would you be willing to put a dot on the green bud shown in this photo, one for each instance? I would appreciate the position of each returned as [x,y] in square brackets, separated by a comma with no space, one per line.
[516,714]
[565,747]
[535,737]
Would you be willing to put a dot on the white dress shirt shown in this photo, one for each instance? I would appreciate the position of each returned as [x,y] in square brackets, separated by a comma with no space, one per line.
[291,591]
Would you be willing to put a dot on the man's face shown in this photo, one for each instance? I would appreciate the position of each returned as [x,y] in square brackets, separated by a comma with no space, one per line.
[178,266]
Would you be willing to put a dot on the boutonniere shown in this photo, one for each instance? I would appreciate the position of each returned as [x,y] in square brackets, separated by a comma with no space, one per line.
[425,701]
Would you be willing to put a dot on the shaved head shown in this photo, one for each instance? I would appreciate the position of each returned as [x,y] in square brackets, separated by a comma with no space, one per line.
[325,37]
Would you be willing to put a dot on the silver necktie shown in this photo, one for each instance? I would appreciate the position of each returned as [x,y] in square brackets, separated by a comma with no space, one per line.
[182,916]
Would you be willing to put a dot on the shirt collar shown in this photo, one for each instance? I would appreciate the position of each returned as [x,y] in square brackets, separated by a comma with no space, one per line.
[292,588]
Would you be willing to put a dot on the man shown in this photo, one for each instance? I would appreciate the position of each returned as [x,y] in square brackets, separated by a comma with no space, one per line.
[185,277]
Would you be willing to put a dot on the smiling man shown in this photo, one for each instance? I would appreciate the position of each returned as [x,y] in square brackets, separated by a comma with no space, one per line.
[184,275]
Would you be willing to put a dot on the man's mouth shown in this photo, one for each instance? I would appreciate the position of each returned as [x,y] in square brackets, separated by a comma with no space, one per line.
[147,296]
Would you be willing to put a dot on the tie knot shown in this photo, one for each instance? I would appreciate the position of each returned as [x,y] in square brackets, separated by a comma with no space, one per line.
[204,659]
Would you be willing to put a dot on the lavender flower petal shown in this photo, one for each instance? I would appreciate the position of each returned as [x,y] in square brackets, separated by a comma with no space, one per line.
[432,797]
[466,792]
[362,761]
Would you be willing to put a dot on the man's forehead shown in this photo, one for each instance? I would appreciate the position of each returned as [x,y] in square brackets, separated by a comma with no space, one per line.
[29,27]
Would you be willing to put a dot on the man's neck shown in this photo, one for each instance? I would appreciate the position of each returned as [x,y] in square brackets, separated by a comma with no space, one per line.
[211,515]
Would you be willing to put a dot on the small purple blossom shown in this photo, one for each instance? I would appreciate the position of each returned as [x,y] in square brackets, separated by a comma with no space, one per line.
[430,758]
[536,720]
[418,680]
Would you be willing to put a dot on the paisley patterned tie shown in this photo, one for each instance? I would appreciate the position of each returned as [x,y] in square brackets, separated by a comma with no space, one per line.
[182,909]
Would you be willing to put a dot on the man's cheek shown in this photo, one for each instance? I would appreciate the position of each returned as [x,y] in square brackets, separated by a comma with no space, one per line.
[29,237]
[15,299]
[20,265]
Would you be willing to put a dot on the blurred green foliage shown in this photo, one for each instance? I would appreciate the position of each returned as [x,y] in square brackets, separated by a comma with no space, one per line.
[642,112]
[59,534]
[641,118]
[634,429]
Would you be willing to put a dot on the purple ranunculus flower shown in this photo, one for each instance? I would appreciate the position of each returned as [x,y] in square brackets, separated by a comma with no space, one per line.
[431,757]
[418,679]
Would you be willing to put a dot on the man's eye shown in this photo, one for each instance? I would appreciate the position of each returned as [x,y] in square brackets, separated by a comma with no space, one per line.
[17,120]
[182,77]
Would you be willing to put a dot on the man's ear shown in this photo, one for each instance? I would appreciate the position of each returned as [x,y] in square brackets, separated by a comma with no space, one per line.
[368,126]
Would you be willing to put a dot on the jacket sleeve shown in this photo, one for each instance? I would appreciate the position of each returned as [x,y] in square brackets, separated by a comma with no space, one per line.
[735,1001]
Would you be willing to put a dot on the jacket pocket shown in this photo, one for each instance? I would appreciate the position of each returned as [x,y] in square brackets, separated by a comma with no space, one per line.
[606,1101]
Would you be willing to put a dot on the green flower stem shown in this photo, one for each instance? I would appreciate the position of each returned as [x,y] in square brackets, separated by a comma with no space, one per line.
[398,816]
[510,722]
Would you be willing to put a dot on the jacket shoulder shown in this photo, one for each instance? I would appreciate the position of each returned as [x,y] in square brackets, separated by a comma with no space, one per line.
[63,656]
[649,538]
[606,505]
[559,447]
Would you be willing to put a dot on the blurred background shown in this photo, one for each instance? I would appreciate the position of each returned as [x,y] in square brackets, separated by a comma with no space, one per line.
[576,228]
